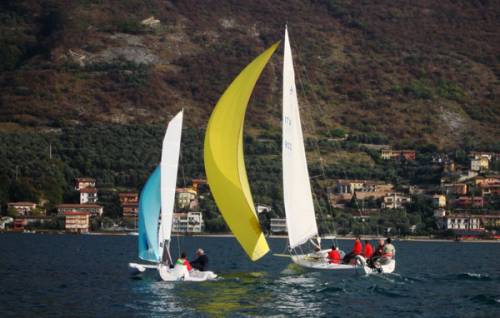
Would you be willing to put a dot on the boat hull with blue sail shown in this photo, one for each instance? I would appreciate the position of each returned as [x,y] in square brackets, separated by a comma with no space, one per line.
[156,206]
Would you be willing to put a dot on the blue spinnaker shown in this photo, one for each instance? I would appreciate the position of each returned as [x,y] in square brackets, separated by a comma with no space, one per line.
[149,213]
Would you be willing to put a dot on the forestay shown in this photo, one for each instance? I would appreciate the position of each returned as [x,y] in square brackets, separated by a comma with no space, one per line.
[299,208]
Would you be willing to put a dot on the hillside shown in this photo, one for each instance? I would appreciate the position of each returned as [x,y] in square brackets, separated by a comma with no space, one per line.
[401,72]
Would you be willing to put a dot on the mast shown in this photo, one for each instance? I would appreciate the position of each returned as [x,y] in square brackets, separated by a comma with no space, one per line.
[299,207]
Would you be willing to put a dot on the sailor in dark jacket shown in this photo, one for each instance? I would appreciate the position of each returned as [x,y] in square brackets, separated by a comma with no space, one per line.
[201,261]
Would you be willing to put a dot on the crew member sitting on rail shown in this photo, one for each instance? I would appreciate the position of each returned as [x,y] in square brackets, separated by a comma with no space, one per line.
[357,249]
[201,261]
[368,250]
[388,254]
[183,261]
[334,255]
[379,251]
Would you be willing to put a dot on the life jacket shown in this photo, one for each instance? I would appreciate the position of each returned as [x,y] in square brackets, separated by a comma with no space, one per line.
[368,252]
[334,256]
[357,247]
[184,262]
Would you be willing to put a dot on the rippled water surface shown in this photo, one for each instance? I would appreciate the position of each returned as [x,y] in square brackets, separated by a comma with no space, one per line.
[70,276]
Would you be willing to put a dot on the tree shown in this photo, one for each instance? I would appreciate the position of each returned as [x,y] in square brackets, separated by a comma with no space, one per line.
[12,212]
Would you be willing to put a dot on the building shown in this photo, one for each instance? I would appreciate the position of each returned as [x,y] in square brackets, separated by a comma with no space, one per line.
[466,202]
[479,164]
[467,221]
[388,154]
[92,209]
[198,184]
[82,183]
[460,222]
[188,222]
[263,208]
[439,201]
[22,208]
[395,200]
[77,222]
[345,189]
[491,189]
[363,188]
[88,195]
[128,197]
[187,198]
[130,204]
[130,210]
[150,22]
[439,213]
[479,154]
[19,224]
[486,180]
[278,226]
[455,188]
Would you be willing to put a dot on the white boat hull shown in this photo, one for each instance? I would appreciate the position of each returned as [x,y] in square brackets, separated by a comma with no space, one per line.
[178,273]
[319,261]
[380,269]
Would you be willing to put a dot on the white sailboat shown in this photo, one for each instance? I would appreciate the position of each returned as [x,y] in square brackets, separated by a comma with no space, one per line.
[156,207]
[297,195]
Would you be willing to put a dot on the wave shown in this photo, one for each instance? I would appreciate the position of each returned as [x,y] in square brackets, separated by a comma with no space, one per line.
[486,300]
[387,292]
[474,276]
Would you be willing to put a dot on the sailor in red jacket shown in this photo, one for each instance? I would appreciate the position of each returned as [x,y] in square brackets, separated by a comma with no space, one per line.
[358,247]
[356,250]
[334,256]
[368,251]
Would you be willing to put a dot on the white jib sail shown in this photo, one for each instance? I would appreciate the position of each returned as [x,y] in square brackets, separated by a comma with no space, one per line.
[169,164]
[299,207]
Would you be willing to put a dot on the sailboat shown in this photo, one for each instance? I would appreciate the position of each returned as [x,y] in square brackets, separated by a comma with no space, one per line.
[156,207]
[226,173]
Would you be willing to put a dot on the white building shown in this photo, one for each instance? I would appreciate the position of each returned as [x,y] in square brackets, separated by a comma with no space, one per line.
[278,226]
[187,198]
[460,222]
[88,195]
[190,222]
[92,209]
[395,200]
[263,208]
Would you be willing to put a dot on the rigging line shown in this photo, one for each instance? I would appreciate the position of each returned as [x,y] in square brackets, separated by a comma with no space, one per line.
[311,120]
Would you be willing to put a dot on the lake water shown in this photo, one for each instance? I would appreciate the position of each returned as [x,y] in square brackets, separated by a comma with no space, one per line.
[87,276]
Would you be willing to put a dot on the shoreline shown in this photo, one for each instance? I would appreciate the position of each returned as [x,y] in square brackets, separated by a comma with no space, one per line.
[227,235]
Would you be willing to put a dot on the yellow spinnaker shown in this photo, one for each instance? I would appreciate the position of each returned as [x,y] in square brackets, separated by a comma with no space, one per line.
[224,163]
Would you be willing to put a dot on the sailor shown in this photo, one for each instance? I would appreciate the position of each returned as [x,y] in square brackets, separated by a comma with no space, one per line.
[389,249]
[183,261]
[379,251]
[334,255]
[368,250]
[356,250]
[389,253]
[201,261]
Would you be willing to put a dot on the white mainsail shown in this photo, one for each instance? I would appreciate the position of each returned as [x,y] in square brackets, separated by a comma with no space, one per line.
[299,207]
[169,165]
